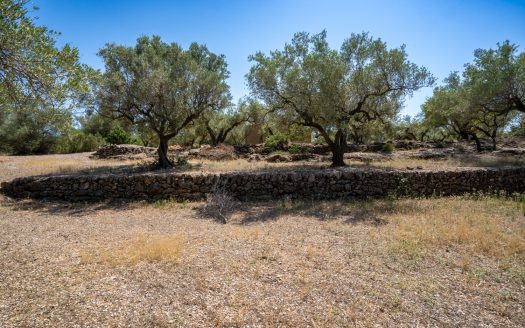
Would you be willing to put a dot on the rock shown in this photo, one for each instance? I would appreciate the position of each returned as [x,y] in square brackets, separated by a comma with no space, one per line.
[123,152]
[276,158]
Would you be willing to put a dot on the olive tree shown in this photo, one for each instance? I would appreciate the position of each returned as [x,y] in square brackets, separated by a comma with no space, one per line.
[162,86]
[496,79]
[220,124]
[456,107]
[329,90]
[40,83]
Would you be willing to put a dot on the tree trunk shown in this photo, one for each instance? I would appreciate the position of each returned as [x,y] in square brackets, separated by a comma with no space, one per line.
[478,143]
[164,162]
[338,149]
[494,146]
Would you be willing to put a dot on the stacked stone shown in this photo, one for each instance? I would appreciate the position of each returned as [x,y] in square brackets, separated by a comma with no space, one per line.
[119,151]
[307,183]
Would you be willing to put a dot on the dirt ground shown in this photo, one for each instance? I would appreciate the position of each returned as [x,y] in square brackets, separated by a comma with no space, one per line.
[456,261]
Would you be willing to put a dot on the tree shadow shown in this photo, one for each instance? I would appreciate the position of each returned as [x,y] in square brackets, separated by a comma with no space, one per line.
[490,159]
[348,211]
[74,209]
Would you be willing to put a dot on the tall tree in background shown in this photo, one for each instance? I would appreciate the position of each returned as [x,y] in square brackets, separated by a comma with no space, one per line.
[484,99]
[496,79]
[162,86]
[219,124]
[327,89]
[40,83]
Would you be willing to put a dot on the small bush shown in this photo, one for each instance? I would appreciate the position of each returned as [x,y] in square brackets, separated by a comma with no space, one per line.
[78,142]
[219,205]
[181,161]
[276,141]
[118,136]
[388,147]
[296,149]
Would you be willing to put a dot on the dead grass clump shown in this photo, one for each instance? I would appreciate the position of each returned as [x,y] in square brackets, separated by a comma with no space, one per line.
[141,248]
[478,226]
[219,204]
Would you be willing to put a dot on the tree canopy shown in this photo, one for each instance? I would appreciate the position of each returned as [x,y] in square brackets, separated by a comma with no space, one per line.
[162,86]
[328,90]
[484,99]
[40,83]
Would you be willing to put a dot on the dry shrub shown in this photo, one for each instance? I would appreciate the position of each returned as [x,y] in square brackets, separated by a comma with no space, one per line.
[219,205]
[141,248]
[479,226]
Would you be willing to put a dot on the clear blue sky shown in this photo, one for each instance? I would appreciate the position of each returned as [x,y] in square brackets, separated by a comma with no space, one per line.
[440,35]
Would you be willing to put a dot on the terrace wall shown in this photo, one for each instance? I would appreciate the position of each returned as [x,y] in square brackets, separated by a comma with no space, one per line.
[308,183]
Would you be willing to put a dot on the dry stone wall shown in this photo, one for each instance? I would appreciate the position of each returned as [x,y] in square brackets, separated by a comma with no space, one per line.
[308,183]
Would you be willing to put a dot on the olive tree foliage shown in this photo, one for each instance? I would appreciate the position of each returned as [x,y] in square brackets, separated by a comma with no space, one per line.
[40,83]
[329,90]
[162,87]
[496,78]
[459,107]
[220,124]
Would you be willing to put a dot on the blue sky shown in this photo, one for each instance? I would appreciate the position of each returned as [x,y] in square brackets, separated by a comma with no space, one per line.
[440,35]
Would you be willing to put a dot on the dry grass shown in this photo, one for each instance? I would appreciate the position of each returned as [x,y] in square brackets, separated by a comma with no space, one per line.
[454,261]
[485,160]
[73,163]
[140,248]
[488,227]
[293,263]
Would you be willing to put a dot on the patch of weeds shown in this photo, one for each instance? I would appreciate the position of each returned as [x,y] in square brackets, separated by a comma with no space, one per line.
[517,274]
[388,147]
[168,203]
[409,250]
[521,204]
[478,273]
[296,149]
[181,161]
[276,141]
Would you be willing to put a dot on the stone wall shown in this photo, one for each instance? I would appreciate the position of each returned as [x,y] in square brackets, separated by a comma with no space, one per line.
[308,183]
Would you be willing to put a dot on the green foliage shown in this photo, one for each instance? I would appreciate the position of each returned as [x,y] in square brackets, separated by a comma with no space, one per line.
[32,65]
[312,85]
[296,149]
[521,204]
[32,128]
[181,161]
[162,86]
[78,142]
[119,136]
[496,78]
[40,84]
[388,147]
[463,108]
[219,125]
[276,141]
[517,129]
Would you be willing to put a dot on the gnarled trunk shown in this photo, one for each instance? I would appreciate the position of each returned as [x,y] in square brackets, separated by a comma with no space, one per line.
[338,148]
[494,143]
[478,142]
[162,151]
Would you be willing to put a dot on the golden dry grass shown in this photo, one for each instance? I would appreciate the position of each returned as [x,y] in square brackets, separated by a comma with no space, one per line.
[291,263]
[488,226]
[140,248]
[64,166]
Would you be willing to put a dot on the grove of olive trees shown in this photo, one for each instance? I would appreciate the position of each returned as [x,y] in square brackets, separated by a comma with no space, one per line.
[157,92]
